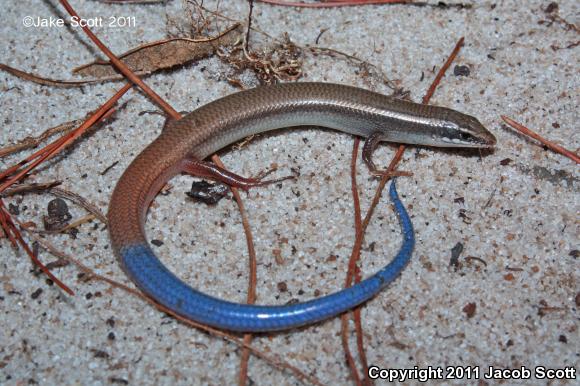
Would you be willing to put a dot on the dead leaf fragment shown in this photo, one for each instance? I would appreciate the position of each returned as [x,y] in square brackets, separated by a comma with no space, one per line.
[163,54]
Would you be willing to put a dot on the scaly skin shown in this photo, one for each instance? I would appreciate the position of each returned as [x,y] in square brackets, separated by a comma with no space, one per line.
[229,119]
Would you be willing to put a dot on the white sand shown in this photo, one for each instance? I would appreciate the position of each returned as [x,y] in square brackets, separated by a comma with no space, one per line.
[526,231]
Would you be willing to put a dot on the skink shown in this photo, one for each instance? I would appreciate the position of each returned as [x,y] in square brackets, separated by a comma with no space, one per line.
[185,142]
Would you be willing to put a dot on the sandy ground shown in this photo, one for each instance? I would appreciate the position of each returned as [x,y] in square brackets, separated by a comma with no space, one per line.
[515,210]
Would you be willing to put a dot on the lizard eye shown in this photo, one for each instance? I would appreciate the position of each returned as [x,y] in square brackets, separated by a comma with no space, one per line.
[465,137]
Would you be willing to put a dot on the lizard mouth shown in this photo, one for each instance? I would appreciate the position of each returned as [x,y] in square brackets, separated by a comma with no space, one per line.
[488,142]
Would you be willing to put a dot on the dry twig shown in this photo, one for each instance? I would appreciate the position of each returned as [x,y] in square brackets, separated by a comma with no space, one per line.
[360,229]
[550,145]
[33,142]
[336,3]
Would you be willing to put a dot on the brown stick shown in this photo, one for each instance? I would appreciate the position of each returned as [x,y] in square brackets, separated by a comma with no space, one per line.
[355,255]
[338,3]
[550,145]
[122,67]
[352,267]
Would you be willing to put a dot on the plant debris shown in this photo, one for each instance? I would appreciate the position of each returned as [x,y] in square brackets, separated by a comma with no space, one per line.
[207,193]
[162,55]
[280,62]
[58,215]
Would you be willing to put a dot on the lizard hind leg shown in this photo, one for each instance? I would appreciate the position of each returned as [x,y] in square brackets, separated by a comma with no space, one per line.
[210,170]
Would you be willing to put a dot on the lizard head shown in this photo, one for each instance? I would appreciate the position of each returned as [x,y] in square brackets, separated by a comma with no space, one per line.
[462,130]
